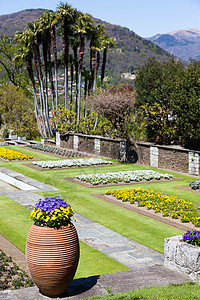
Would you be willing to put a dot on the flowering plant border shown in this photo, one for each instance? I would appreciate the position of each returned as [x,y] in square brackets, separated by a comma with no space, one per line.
[167,205]
[79,162]
[13,155]
[127,176]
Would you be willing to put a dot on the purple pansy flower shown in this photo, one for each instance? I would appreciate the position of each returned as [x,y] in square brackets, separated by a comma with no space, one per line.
[50,204]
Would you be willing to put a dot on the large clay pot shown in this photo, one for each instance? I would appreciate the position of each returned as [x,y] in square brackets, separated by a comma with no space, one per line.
[52,257]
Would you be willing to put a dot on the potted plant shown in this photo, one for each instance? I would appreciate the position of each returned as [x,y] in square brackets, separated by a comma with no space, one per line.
[52,247]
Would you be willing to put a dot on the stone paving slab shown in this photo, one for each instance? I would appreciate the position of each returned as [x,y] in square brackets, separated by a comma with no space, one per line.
[128,252]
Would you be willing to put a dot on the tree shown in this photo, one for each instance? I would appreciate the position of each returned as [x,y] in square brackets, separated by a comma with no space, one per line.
[106,43]
[82,25]
[11,71]
[186,105]
[17,111]
[66,16]
[37,40]
[155,81]
[117,105]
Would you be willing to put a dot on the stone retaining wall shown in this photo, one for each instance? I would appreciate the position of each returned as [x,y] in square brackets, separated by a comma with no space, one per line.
[182,257]
[112,148]
[173,158]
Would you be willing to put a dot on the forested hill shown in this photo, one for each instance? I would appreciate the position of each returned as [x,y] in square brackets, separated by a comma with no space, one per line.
[130,50]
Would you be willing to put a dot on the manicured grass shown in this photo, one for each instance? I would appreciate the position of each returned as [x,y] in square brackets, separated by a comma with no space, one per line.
[142,229]
[171,292]
[15,223]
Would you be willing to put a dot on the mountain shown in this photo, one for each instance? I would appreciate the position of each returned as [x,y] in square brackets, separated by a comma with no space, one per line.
[130,49]
[11,23]
[184,44]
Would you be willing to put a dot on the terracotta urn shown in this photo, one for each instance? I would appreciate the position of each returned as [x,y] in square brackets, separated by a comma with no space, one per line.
[52,257]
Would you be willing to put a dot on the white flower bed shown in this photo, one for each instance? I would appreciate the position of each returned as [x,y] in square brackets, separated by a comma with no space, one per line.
[127,176]
[79,162]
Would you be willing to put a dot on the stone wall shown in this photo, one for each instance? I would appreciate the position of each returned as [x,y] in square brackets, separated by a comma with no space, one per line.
[173,158]
[97,145]
[182,257]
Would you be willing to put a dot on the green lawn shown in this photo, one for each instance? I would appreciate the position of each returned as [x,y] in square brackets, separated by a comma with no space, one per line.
[185,291]
[144,230]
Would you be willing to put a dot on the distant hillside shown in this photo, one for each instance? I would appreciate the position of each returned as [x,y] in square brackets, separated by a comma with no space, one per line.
[11,23]
[129,52]
[181,43]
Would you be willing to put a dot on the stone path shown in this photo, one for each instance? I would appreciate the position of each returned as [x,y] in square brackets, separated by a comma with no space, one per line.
[146,265]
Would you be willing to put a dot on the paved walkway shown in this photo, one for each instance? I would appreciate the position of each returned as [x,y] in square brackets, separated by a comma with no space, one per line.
[146,265]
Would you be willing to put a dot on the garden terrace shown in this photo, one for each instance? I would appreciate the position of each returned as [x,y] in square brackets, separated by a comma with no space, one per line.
[144,230]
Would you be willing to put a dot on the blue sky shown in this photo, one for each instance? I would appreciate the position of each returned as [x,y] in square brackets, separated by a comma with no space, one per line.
[145,17]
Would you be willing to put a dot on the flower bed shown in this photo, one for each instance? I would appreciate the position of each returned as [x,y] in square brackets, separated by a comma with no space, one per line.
[195,184]
[55,150]
[13,155]
[127,177]
[71,163]
[11,276]
[169,206]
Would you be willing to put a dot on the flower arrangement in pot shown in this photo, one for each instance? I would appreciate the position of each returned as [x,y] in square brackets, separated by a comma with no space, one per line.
[52,247]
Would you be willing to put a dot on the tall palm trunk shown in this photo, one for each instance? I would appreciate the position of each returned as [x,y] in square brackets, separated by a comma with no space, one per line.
[45,54]
[54,47]
[97,69]
[75,50]
[81,54]
[72,81]
[41,83]
[103,65]
[50,76]
[92,69]
[41,102]
[66,58]
[30,72]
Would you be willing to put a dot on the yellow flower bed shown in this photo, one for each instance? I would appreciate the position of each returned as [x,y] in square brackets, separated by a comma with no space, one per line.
[12,155]
[168,206]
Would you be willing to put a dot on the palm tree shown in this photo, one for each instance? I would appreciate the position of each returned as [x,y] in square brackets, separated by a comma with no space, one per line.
[25,54]
[74,42]
[45,28]
[65,16]
[82,25]
[106,43]
[44,31]
[34,35]
[87,79]
[52,24]
[95,34]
